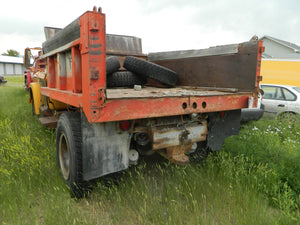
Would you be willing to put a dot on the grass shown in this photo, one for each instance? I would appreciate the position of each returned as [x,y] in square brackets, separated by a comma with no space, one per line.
[254,179]
[274,144]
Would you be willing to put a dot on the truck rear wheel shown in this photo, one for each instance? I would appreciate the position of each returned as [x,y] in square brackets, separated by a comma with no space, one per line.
[151,70]
[69,155]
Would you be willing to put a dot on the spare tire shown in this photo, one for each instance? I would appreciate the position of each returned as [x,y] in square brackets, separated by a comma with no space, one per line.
[124,79]
[112,64]
[151,70]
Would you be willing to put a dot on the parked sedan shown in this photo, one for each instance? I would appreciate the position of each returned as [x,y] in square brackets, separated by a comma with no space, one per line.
[2,80]
[280,99]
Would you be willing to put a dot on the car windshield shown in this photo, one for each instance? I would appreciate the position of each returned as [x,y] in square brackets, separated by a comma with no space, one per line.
[297,89]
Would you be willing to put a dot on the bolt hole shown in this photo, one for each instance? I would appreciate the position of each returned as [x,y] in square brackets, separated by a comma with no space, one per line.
[184,105]
[203,105]
[195,105]
[94,112]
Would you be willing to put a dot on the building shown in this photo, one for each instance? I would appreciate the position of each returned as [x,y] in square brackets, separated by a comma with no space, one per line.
[10,65]
[281,71]
[281,62]
[276,48]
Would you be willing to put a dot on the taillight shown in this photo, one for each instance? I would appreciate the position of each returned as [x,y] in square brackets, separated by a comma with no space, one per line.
[124,125]
[222,114]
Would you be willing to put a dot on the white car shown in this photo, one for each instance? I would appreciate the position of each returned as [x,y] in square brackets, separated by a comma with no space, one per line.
[280,99]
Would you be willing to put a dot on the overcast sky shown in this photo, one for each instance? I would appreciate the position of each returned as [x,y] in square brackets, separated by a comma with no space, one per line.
[162,24]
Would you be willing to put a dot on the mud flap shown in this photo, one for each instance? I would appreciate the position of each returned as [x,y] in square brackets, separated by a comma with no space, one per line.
[222,125]
[104,150]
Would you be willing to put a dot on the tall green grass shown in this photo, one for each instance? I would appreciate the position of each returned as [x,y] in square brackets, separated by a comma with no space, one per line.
[275,145]
[252,180]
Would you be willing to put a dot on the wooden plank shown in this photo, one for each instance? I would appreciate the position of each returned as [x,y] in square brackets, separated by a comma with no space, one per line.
[152,92]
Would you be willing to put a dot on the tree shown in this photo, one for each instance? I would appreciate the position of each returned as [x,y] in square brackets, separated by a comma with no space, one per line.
[11,52]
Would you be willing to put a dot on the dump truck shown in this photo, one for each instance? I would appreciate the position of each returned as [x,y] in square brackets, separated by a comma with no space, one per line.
[111,104]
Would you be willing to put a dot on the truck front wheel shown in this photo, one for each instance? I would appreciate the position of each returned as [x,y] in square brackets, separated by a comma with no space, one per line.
[69,155]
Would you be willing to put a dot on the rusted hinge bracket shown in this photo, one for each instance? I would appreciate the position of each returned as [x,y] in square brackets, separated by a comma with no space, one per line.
[102,97]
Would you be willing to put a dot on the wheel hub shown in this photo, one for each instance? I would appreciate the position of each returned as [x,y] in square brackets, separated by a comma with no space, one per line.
[64,156]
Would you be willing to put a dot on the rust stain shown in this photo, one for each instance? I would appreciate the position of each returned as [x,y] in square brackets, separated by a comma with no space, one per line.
[177,154]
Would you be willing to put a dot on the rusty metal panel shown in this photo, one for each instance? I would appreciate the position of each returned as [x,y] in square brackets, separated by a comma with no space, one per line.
[51,78]
[127,109]
[49,121]
[225,69]
[67,97]
[92,42]
[51,31]
[61,79]
[217,50]
[76,70]
[68,67]
[123,45]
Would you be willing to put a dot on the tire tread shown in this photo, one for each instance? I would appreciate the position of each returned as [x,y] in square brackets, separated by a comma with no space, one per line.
[151,70]
[71,122]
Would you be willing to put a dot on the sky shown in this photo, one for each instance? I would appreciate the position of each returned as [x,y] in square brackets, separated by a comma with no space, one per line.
[163,25]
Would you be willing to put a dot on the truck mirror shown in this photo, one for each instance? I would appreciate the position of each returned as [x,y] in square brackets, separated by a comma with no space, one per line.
[27,57]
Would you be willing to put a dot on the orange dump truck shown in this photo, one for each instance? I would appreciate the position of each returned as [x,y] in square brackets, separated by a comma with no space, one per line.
[111,104]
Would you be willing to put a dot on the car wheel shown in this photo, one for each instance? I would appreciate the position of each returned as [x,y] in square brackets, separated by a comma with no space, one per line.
[290,117]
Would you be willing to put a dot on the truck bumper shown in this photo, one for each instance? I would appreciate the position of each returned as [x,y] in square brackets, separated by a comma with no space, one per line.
[175,142]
